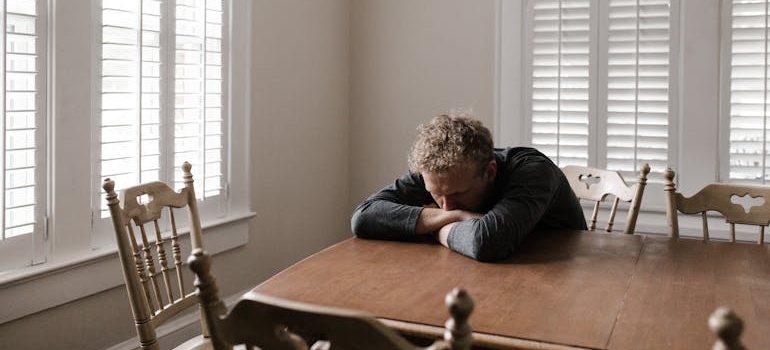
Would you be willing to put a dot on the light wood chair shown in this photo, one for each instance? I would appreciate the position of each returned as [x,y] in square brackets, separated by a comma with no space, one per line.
[152,257]
[597,185]
[265,322]
[739,204]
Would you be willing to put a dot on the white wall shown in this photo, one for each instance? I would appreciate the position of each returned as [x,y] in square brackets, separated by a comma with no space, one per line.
[412,60]
[299,127]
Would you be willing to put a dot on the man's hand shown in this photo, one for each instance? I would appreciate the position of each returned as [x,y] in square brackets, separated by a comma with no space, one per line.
[437,221]
[431,219]
[442,235]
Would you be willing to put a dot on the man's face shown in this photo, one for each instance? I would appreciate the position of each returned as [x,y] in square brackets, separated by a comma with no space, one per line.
[463,187]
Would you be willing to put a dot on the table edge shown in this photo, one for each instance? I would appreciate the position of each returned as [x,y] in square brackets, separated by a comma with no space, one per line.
[479,339]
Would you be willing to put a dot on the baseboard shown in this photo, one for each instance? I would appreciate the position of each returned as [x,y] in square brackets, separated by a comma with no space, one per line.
[176,331]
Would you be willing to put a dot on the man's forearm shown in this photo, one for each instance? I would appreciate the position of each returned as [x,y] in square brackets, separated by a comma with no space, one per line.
[384,220]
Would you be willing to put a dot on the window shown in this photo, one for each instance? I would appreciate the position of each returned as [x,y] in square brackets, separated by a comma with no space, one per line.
[134,91]
[162,91]
[24,128]
[599,74]
[204,54]
[748,89]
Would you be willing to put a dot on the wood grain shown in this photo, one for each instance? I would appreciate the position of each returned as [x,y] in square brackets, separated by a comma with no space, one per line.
[568,289]
[563,287]
[679,283]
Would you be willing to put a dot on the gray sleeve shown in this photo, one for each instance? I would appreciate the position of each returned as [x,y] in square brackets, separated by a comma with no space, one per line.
[527,197]
[392,212]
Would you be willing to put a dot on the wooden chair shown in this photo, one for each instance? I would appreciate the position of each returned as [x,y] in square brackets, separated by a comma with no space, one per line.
[596,185]
[266,322]
[152,257]
[721,198]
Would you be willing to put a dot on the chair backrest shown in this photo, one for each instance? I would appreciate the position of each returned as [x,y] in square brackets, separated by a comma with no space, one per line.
[149,247]
[597,185]
[266,322]
[739,204]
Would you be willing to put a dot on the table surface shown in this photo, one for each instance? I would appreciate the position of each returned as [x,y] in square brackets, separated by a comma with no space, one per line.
[565,288]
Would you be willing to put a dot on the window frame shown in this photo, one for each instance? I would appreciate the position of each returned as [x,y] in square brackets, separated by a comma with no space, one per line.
[210,208]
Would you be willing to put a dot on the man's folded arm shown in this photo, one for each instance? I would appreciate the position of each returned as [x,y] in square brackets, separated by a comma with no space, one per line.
[392,212]
[494,236]
[380,219]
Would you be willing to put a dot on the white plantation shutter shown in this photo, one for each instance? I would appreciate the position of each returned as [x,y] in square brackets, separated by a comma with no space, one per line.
[637,84]
[162,92]
[749,91]
[600,81]
[199,93]
[560,79]
[130,115]
[23,125]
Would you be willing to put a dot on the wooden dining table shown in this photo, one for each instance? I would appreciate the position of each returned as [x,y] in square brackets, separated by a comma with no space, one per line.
[559,290]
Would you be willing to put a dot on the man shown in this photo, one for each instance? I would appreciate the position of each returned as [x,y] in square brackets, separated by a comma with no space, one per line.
[477,200]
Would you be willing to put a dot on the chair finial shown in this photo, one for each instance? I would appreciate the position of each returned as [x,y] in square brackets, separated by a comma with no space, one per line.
[458,331]
[645,170]
[108,185]
[668,175]
[187,177]
[208,292]
[728,327]
[200,263]
[109,189]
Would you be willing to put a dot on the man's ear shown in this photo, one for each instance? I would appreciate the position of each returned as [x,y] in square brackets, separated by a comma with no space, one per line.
[491,170]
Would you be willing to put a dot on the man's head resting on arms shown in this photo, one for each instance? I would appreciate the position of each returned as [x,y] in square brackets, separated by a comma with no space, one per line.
[455,156]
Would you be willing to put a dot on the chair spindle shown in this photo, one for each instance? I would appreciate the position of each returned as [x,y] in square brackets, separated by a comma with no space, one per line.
[613,211]
[177,253]
[594,216]
[163,261]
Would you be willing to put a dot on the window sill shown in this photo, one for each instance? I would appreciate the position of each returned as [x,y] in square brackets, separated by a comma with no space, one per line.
[36,288]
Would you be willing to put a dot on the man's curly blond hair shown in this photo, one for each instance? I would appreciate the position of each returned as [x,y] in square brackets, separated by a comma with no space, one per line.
[449,140]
